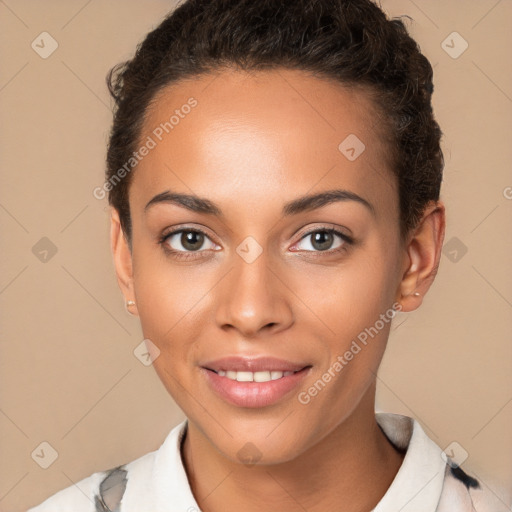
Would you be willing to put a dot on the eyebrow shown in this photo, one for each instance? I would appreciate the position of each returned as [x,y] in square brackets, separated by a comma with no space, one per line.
[301,204]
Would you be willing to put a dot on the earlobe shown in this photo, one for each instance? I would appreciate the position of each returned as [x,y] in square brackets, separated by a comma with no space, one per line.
[423,255]
[122,258]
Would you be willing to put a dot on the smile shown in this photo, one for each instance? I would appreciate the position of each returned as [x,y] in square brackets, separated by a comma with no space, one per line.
[251,383]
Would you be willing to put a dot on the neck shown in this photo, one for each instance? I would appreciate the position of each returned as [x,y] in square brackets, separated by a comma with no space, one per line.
[350,469]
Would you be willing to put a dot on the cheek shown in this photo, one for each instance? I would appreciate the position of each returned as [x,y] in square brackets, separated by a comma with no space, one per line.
[168,304]
[348,303]
[345,299]
[350,307]
[165,291]
[169,300]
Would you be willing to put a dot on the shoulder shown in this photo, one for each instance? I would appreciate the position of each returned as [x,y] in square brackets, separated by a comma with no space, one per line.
[463,491]
[100,492]
[103,491]
[79,496]
[430,480]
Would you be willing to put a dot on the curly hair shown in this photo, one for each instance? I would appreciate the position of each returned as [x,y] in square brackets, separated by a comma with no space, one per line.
[350,42]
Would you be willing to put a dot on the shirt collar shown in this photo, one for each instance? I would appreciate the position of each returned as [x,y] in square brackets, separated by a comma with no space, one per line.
[416,487]
[418,484]
[170,482]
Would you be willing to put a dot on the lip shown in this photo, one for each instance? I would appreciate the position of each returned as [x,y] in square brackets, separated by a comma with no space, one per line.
[253,394]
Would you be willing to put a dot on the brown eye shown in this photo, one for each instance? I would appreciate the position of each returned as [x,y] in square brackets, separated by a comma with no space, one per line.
[323,240]
[191,240]
[188,240]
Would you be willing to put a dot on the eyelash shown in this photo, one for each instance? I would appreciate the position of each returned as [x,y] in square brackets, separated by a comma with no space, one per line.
[186,255]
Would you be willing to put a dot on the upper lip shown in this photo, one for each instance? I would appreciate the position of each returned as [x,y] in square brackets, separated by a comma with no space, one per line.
[253,364]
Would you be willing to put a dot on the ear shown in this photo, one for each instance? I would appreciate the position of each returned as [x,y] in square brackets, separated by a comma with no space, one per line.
[422,255]
[122,256]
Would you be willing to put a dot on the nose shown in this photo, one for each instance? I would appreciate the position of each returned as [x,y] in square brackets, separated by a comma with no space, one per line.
[253,298]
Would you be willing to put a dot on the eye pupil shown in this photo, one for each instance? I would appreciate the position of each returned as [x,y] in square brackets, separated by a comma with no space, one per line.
[189,240]
[323,238]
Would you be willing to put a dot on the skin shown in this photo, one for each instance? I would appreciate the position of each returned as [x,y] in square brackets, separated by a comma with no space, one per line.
[253,143]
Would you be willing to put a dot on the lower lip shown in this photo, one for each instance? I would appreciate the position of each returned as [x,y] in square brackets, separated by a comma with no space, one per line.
[253,394]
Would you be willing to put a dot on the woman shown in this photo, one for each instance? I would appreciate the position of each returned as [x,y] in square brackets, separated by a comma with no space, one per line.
[274,174]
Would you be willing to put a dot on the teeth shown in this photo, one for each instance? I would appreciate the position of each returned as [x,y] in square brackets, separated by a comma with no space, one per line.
[244,376]
[261,376]
[264,376]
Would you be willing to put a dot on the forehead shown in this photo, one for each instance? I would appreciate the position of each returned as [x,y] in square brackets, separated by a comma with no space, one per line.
[263,134]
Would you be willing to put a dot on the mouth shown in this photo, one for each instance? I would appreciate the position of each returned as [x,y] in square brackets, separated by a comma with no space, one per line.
[246,382]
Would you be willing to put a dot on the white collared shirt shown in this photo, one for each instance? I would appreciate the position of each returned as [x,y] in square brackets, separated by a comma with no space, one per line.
[427,481]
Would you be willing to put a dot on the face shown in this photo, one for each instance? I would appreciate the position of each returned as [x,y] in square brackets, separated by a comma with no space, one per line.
[254,278]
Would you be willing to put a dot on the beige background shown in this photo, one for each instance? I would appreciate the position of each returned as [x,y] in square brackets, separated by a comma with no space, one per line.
[68,373]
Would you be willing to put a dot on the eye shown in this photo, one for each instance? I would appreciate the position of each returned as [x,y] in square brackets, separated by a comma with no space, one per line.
[322,240]
[187,240]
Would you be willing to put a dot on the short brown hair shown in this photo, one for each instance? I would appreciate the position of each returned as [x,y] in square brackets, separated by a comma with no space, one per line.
[351,42]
